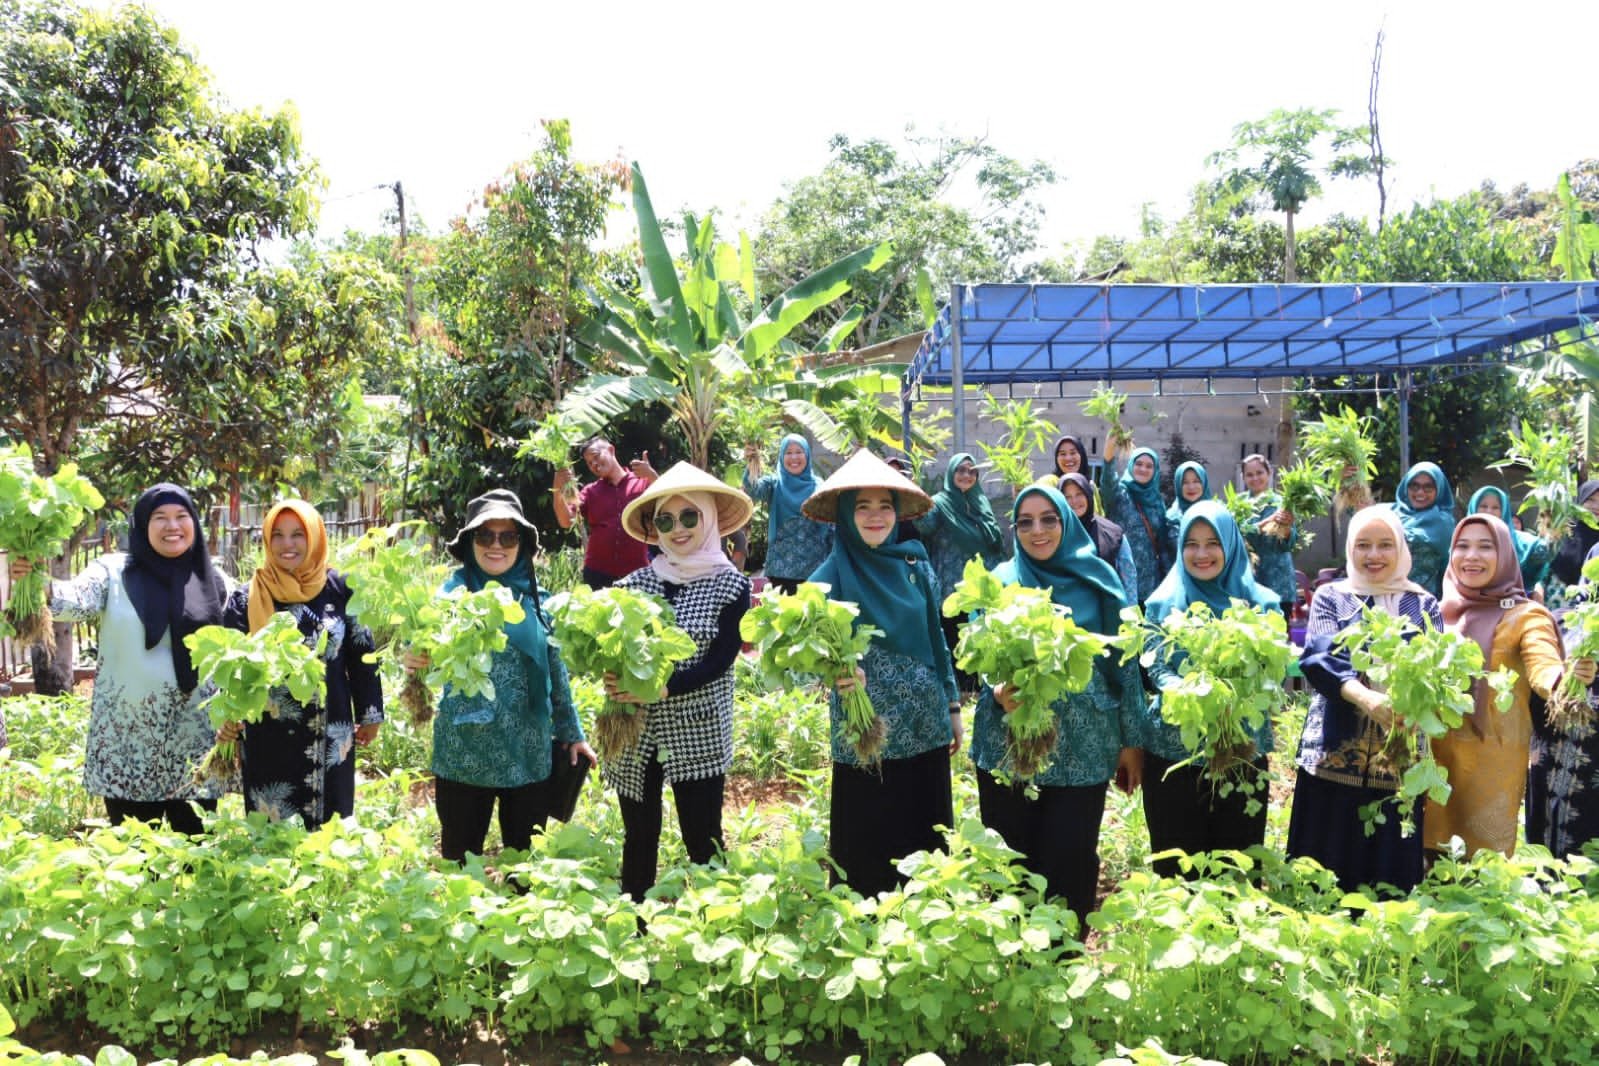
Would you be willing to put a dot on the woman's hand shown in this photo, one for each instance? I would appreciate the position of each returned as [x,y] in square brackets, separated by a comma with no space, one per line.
[849,681]
[230,732]
[1005,696]
[21,568]
[957,725]
[415,662]
[1584,670]
[1130,770]
[1373,704]
[582,750]
[614,693]
[366,734]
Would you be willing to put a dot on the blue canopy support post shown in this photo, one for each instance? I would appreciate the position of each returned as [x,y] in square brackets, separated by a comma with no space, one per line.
[1404,422]
[957,364]
[905,414]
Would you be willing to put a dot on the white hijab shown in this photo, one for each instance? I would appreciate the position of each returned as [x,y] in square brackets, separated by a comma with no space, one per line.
[1396,582]
[704,561]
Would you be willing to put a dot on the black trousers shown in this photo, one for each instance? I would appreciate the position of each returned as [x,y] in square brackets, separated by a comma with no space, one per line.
[1183,812]
[883,813]
[464,812]
[952,634]
[1057,834]
[699,815]
[179,814]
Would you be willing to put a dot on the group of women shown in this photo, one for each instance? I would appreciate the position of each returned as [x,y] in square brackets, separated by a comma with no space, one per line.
[849,532]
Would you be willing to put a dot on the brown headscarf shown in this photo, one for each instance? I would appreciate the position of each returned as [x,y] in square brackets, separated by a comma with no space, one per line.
[1476,612]
[272,584]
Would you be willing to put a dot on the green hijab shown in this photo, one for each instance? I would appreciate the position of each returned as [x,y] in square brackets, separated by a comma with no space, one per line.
[968,517]
[1146,496]
[1525,542]
[1235,582]
[1436,523]
[1180,506]
[1075,575]
[882,583]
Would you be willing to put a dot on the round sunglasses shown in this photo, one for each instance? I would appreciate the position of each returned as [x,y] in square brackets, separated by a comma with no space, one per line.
[665,523]
[1047,521]
[508,538]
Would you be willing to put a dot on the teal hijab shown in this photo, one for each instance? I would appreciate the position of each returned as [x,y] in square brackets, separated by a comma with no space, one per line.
[1146,498]
[1526,542]
[791,490]
[968,517]
[1180,506]
[1436,523]
[1236,581]
[879,580]
[530,636]
[1075,575]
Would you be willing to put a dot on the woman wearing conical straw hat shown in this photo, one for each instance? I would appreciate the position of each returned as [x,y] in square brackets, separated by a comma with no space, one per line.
[888,803]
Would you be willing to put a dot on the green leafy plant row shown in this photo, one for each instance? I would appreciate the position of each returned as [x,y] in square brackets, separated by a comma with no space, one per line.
[161,940]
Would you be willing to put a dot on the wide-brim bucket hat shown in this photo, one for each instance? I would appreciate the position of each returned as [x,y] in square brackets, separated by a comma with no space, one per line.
[866,471]
[733,508]
[496,503]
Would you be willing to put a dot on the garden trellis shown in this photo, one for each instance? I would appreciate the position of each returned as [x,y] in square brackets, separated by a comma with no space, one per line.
[994,335]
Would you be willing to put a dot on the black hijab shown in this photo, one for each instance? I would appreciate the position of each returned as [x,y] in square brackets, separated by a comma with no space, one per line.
[179,595]
[1568,561]
[1107,534]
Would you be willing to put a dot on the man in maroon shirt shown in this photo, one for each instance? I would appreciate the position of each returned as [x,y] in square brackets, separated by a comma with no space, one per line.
[611,554]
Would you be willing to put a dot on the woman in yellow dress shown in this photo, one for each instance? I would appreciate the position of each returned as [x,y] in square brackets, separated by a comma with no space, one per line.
[1487,755]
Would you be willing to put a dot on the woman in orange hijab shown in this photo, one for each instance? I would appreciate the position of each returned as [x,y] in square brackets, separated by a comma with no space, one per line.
[302,761]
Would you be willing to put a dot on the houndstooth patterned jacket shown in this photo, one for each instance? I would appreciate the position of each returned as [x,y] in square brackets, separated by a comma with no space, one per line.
[691,733]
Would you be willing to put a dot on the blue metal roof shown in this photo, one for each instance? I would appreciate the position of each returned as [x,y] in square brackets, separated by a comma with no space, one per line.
[1009,334]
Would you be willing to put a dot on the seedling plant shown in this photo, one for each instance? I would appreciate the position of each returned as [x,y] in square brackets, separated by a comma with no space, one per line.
[1342,445]
[1568,709]
[1108,404]
[37,516]
[1550,458]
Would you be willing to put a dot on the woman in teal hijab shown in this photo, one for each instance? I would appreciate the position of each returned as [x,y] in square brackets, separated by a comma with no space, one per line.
[960,527]
[794,544]
[1532,551]
[884,810]
[1190,484]
[1133,501]
[1180,806]
[1053,818]
[1426,507]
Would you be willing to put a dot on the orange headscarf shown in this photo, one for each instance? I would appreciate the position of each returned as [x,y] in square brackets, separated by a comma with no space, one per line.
[272,584]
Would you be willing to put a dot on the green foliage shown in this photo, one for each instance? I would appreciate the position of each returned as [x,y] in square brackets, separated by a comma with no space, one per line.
[1568,709]
[1306,490]
[1341,446]
[910,196]
[806,633]
[1027,432]
[1229,672]
[1019,637]
[1427,675]
[1108,404]
[626,636]
[38,515]
[132,207]
[1550,458]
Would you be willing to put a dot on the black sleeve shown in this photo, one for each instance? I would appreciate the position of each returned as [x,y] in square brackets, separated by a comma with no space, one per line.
[365,678]
[236,609]
[724,648]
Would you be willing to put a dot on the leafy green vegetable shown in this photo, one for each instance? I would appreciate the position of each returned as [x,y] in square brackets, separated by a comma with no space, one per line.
[805,632]
[627,634]
[1306,490]
[1427,674]
[1242,507]
[37,516]
[1108,404]
[1568,709]
[1551,461]
[1019,637]
[394,592]
[553,440]
[245,668]
[1230,670]
[1026,432]
[1341,444]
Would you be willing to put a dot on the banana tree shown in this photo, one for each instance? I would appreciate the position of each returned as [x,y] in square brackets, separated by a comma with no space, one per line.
[683,341]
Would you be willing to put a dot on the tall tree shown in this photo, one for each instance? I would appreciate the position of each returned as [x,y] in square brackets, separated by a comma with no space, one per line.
[1275,158]
[135,328]
[871,192]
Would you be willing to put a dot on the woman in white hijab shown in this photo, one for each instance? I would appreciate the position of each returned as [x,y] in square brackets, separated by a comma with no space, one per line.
[1341,766]
[688,731]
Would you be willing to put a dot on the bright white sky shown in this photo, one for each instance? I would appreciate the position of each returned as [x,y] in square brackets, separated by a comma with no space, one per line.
[724,102]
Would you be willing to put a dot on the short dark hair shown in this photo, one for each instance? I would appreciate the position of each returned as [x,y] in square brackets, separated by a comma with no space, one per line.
[594,442]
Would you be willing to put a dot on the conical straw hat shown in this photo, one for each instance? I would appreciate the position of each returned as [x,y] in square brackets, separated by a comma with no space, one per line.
[866,471]
[733,508]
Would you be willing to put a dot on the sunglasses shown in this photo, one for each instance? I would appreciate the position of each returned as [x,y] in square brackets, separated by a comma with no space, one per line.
[665,523]
[1048,521]
[508,538]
